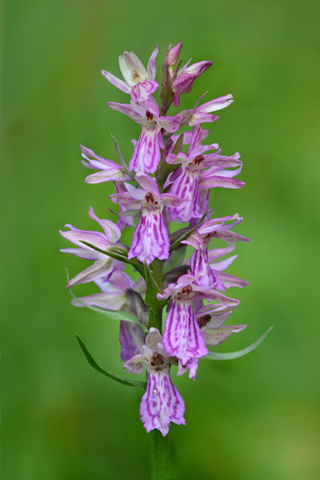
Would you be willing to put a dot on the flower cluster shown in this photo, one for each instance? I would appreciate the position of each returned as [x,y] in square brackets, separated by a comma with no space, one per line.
[168,179]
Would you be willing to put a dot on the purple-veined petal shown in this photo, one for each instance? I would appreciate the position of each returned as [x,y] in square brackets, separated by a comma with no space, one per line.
[162,403]
[146,153]
[131,338]
[170,200]
[217,318]
[99,162]
[200,292]
[149,184]
[151,67]
[171,124]
[136,193]
[153,339]
[216,104]
[195,240]
[215,161]
[199,264]
[116,82]
[151,238]
[183,84]
[215,336]
[198,68]
[76,236]
[135,112]
[218,181]
[110,300]
[136,364]
[187,187]
[82,253]
[232,281]
[99,269]
[223,264]
[123,221]
[125,200]
[182,336]
[142,91]
[192,366]
[220,252]
[119,281]
[199,117]
[231,237]
[111,230]
[115,174]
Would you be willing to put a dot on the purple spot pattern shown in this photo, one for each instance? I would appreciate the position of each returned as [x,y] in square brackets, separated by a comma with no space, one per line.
[162,402]
[182,336]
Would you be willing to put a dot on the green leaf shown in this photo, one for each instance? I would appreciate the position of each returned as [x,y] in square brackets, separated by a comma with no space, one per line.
[173,275]
[176,259]
[93,363]
[123,163]
[151,287]
[119,253]
[239,353]
[178,145]
[182,234]
[127,213]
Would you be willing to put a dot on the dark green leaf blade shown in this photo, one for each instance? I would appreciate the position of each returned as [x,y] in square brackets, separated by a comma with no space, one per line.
[239,353]
[93,363]
[182,234]
[176,259]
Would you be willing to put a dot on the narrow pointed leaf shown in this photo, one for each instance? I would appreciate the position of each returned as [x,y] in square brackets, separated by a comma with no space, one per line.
[239,353]
[119,254]
[93,363]
[127,213]
[176,259]
[173,275]
[123,163]
[151,287]
[183,234]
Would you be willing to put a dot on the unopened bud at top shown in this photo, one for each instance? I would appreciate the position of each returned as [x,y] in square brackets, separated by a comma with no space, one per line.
[173,55]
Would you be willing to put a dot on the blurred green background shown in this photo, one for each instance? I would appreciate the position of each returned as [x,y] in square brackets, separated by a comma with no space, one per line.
[253,418]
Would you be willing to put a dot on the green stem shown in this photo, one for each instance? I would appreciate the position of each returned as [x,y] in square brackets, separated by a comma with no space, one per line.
[160,456]
[155,317]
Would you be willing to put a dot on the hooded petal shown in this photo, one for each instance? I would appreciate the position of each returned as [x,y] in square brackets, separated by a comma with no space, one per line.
[132,68]
[136,364]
